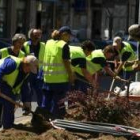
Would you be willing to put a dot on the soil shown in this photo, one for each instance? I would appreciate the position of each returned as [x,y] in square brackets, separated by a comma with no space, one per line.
[28,132]
[52,134]
[43,131]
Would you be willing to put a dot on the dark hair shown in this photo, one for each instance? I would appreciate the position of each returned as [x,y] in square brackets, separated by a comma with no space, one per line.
[109,49]
[88,45]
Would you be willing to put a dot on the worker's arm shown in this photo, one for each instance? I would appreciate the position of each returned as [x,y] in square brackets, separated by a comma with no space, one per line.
[81,63]
[124,59]
[69,71]
[114,75]
[109,71]
[87,75]
[119,67]
[7,67]
[66,61]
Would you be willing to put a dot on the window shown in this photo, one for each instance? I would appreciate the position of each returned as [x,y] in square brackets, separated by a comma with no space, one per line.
[21,18]
[2,18]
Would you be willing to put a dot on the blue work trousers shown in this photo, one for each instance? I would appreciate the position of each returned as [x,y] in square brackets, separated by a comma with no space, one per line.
[53,102]
[31,86]
[8,108]
[55,95]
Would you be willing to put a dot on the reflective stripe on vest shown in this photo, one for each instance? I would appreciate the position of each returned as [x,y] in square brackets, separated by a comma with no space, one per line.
[54,64]
[133,56]
[77,52]
[54,70]
[93,67]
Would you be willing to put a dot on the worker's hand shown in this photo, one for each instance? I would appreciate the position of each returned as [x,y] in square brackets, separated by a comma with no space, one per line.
[71,78]
[118,78]
[116,71]
[135,65]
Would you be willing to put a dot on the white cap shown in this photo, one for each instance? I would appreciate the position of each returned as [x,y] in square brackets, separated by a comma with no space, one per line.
[117,40]
[33,62]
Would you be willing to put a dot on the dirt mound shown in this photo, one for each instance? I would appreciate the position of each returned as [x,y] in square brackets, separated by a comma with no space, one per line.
[82,108]
[52,134]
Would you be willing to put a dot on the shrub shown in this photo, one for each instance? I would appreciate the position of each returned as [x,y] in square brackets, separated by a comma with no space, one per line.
[89,107]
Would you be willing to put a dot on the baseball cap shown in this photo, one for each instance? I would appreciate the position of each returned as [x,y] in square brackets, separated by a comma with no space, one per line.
[117,40]
[33,62]
[134,32]
[65,29]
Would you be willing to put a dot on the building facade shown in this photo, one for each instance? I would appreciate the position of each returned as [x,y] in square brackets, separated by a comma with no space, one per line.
[16,16]
[93,19]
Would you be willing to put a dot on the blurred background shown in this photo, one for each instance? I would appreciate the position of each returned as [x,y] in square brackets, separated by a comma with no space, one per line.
[89,19]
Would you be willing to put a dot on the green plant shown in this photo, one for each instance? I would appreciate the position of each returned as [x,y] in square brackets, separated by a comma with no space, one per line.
[89,107]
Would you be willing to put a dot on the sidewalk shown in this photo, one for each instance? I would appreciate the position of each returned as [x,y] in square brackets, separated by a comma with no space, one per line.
[20,119]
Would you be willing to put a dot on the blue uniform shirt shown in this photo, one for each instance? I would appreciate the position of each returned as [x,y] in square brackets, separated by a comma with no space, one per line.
[8,67]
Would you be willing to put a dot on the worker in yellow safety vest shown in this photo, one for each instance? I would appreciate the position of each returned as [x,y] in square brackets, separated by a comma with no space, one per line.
[84,79]
[97,61]
[126,55]
[13,72]
[13,50]
[57,70]
[33,84]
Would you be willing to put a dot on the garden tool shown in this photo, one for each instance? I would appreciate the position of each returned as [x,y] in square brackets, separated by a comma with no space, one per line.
[38,118]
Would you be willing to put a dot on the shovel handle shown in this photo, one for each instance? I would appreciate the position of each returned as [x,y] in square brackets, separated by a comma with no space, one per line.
[10,100]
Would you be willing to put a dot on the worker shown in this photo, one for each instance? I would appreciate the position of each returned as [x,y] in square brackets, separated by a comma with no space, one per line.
[34,82]
[134,35]
[13,72]
[97,61]
[78,55]
[14,50]
[134,32]
[126,54]
[57,70]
